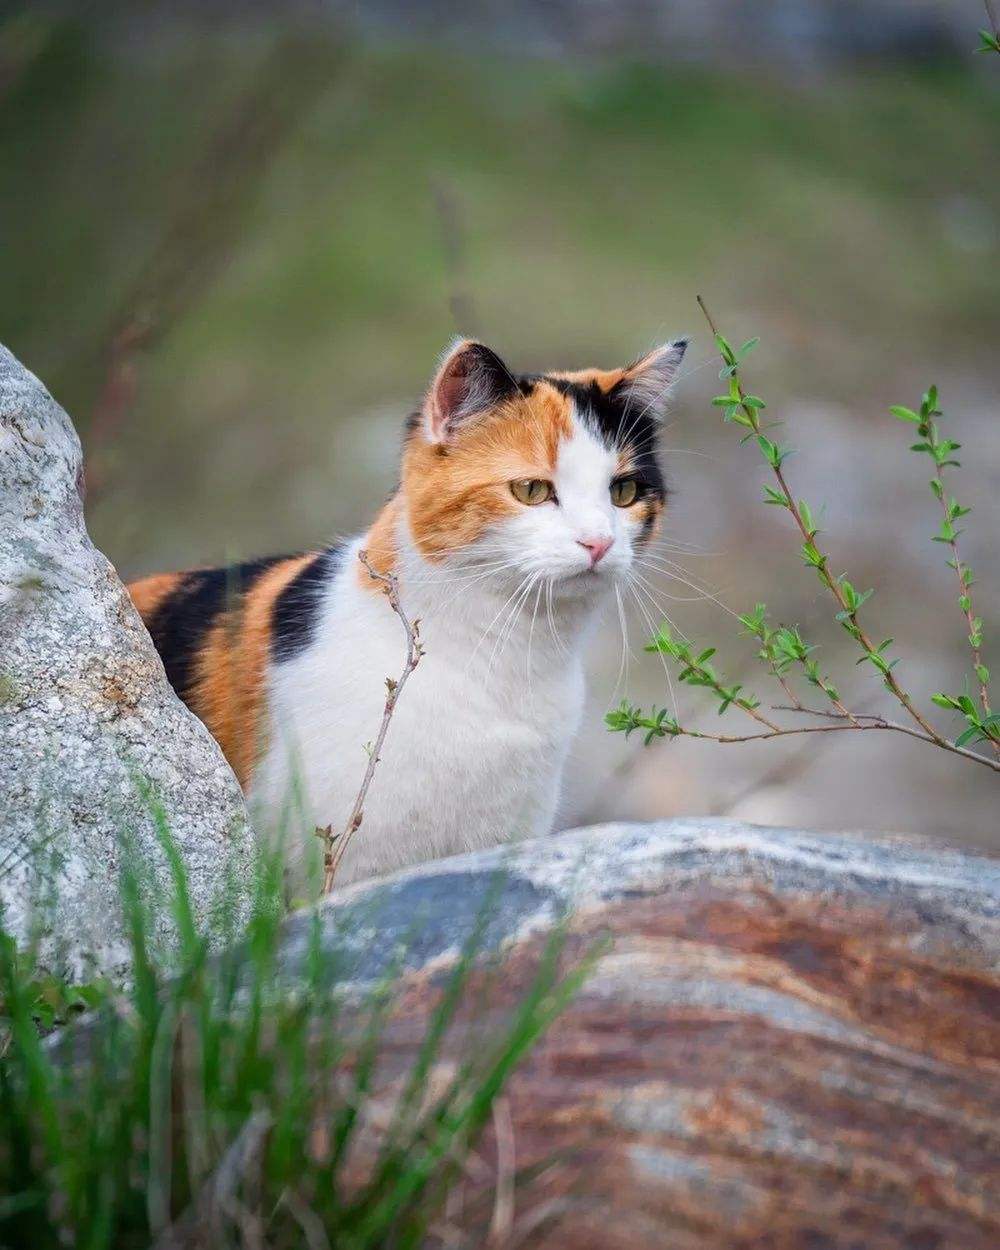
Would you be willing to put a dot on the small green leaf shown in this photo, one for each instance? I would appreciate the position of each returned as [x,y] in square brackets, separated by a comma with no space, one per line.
[725,350]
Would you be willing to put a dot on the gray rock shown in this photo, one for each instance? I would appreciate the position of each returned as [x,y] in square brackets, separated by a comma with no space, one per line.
[787,1039]
[87,718]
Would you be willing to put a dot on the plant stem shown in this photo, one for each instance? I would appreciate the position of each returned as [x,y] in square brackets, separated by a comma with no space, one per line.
[743,704]
[850,616]
[855,722]
[336,845]
[965,593]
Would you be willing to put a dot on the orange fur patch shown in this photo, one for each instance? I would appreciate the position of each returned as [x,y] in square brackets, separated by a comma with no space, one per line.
[380,544]
[149,592]
[649,511]
[230,671]
[606,379]
[453,492]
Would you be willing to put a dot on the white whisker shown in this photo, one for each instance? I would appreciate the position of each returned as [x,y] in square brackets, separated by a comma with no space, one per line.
[652,633]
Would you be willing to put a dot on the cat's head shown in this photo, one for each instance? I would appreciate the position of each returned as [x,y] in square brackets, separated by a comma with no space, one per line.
[553,474]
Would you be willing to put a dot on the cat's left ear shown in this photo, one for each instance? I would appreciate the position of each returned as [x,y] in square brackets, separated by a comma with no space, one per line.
[471,379]
[647,381]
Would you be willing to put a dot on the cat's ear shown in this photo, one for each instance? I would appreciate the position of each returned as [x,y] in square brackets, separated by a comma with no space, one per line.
[471,379]
[647,381]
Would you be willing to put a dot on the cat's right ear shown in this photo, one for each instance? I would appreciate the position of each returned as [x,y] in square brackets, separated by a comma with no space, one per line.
[471,379]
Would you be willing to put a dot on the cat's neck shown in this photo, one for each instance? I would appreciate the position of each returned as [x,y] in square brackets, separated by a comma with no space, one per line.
[486,607]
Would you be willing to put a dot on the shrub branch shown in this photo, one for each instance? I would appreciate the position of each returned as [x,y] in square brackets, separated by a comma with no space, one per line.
[783,649]
[745,410]
[941,451]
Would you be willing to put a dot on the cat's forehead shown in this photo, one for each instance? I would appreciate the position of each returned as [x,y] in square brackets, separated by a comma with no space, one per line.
[584,461]
[585,407]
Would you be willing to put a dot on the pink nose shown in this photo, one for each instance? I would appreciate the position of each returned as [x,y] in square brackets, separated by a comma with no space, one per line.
[597,548]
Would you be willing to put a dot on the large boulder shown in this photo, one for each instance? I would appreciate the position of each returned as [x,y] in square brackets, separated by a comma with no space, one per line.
[90,729]
[791,1040]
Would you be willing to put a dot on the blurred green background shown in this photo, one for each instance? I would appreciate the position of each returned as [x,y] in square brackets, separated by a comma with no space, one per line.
[233,242]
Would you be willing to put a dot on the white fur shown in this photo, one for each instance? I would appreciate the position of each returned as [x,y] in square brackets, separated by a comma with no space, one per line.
[476,748]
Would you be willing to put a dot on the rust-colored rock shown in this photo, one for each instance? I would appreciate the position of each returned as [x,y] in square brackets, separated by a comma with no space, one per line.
[792,1040]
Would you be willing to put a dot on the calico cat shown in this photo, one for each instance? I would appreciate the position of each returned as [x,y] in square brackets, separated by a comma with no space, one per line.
[522,500]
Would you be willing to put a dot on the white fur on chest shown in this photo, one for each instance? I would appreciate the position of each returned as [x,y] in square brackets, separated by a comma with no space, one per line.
[476,748]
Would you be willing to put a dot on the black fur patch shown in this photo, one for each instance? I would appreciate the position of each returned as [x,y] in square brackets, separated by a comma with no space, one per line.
[295,609]
[179,625]
[492,377]
[619,425]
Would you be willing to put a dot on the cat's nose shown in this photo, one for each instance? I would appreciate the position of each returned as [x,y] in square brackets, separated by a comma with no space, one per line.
[597,548]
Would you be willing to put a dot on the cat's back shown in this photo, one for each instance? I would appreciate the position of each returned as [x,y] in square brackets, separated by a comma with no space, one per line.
[217,630]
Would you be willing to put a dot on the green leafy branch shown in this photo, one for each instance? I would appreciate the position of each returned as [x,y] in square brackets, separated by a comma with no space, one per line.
[658,723]
[989,40]
[696,670]
[745,410]
[783,649]
[941,452]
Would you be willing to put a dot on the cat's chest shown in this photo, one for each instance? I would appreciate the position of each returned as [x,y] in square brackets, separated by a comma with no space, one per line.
[461,706]
[474,750]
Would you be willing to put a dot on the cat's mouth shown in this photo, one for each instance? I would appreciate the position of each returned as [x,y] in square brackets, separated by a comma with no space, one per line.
[593,574]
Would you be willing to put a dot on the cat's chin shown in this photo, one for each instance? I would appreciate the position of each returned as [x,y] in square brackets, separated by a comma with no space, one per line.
[583,583]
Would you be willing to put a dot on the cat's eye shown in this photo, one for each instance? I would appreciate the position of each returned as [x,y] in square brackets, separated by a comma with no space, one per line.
[624,492]
[532,491]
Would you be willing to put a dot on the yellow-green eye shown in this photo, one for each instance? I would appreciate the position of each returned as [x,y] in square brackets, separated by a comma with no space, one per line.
[532,491]
[624,492]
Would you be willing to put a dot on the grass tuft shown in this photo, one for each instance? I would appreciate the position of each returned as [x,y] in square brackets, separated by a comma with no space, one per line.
[223,1101]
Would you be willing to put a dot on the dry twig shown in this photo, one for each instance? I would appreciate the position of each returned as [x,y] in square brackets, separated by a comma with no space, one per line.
[335,845]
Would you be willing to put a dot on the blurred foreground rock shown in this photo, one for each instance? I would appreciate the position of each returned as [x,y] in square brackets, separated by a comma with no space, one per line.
[85,712]
[792,1041]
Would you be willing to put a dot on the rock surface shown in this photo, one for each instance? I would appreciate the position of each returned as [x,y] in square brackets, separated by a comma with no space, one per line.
[792,1041]
[85,711]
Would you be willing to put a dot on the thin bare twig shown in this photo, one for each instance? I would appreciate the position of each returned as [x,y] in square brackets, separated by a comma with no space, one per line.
[873,723]
[336,844]
[855,720]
